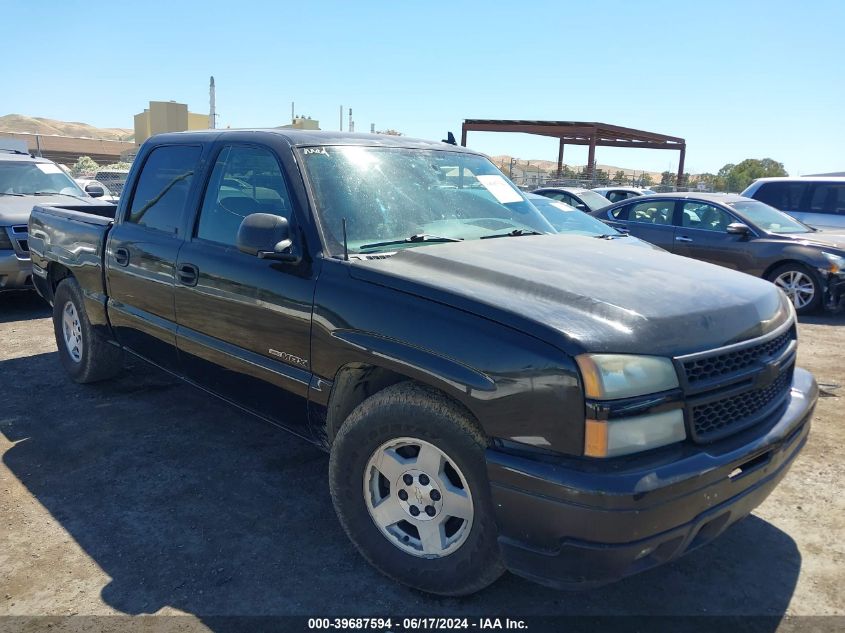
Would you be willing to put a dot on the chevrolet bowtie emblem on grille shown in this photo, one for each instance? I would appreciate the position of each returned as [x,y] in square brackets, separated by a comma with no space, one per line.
[768,375]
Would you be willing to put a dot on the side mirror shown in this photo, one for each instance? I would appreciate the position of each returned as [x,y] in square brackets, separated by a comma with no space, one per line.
[94,190]
[738,228]
[266,236]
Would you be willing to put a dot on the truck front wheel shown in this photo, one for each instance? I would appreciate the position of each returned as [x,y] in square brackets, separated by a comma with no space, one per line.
[409,485]
[84,355]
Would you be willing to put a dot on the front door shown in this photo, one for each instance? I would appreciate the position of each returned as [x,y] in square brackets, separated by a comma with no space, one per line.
[244,323]
[142,250]
[703,235]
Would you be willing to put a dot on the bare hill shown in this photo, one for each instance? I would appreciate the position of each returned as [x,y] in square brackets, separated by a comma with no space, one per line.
[21,123]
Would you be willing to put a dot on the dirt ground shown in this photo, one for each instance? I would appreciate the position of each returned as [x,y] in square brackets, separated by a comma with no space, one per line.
[144,496]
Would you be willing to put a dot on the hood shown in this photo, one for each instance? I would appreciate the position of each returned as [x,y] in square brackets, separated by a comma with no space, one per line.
[829,239]
[16,209]
[584,294]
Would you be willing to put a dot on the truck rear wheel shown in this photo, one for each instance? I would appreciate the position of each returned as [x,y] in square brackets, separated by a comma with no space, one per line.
[409,485]
[84,355]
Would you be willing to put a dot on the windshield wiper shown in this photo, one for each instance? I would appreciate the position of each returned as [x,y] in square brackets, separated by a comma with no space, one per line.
[11,194]
[514,233]
[610,236]
[56,193]
[419,237]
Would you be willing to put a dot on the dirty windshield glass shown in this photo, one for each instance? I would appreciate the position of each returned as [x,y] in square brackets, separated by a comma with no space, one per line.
[25,178]
[395,198]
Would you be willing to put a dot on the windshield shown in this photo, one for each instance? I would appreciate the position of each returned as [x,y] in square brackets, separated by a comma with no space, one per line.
[567,219]
[25,178]
[401,198]
[593,200]
[768,218]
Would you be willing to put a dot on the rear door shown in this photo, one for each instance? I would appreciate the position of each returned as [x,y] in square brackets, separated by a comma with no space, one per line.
[703,235]
[650,221]
[142,249]
[244,323]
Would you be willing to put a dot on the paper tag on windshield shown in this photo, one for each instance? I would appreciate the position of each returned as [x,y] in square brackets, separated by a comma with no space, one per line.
[500,188]
[48,168]
[562,206]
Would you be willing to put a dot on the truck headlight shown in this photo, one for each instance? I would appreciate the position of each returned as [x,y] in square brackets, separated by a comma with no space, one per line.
[613,376]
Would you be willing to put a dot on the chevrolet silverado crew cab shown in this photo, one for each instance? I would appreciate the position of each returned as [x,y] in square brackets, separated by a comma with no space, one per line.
[493,395]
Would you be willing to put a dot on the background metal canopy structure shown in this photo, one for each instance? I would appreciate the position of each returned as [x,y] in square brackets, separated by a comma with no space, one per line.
[581,133]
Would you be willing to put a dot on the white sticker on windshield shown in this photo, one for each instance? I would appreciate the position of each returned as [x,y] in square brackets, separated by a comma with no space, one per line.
[500,188]
[48,168]
[562,206]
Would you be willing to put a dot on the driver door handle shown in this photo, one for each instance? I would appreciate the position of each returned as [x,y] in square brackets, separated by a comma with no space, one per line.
[121,256]
[188,274]
[683,238]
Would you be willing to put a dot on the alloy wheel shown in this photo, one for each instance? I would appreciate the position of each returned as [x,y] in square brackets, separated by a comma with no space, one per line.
[798,287]
[418,497]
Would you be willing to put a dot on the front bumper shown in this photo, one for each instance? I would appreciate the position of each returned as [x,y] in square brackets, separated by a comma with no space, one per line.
[580,523]
[15,272]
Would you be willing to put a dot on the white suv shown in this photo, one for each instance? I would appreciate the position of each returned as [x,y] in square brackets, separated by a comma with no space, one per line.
[815,200]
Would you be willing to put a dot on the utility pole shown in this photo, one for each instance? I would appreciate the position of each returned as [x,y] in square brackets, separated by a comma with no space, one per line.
[351,122]
[341,118]
[212,112]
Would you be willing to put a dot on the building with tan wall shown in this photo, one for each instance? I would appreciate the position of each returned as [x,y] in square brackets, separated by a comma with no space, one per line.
[167,116]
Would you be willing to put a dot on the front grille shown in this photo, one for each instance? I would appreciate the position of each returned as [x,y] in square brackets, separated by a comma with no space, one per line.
[20,233]
[705,369]
[5,242]
[711,420]
[732,388]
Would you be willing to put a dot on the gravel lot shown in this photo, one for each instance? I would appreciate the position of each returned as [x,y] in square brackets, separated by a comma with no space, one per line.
[144,496]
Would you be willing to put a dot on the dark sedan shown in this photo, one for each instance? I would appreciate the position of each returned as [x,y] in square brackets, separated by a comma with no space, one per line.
[743,234]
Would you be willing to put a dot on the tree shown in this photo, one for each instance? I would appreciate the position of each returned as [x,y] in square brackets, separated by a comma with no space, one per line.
[667,178]
[619,176]
[646,180]
[84,165]
[119,166]
[739,176]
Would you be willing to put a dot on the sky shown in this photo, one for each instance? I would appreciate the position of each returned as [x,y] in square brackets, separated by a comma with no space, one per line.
[735,79]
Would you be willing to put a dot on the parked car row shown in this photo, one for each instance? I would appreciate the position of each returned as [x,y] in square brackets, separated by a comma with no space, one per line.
[575,407]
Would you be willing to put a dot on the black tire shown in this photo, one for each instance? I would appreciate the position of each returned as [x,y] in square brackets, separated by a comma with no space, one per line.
[98,359]
[790,267]
[412,410]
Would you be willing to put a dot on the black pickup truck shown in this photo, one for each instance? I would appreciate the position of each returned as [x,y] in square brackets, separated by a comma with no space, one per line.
[493,395]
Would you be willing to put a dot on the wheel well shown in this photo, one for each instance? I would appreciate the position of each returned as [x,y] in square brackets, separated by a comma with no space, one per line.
[355,383]
[352,385]
[777,265]
[55,274]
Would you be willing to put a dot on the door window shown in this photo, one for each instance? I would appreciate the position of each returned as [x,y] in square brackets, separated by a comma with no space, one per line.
[653,212]
[782,195]
[245,180]
[163,187]
[705,217]
[828,198]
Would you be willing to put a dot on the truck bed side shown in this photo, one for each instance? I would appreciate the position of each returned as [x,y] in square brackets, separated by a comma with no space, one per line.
[65,241]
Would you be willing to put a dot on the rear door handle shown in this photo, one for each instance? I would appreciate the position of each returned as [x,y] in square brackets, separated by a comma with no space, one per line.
[682,238]
[121,256]
[188,274]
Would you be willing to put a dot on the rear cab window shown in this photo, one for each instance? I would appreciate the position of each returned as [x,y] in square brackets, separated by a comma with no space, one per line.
[159,199]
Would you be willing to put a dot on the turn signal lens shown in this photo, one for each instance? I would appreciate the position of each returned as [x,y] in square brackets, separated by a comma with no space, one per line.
[609,438]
